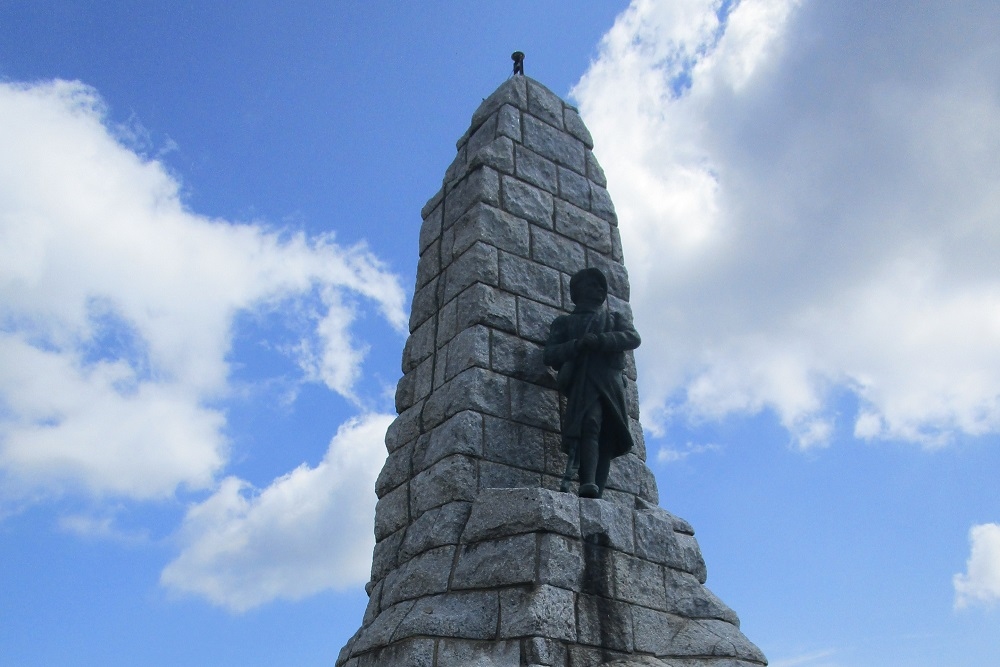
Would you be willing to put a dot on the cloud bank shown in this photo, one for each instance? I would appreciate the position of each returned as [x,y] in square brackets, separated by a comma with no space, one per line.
[981,582]
[309,531]
[808,203]
[118,306]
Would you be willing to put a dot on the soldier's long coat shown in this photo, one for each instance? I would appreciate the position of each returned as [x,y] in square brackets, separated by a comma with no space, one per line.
[596,375]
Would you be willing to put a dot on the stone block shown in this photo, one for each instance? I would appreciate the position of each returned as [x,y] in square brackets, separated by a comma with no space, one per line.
[631,398]
[485,304]
[454,653]
[607,524]
[429,264]
[404,428]
[534,319]
[500,476]
[539,171]
[478,264]
[430,229]
[631,475]
[419,345]
[431,204]
[482,135]
[542,651]
[529,279]
[392,512]
[493,226]
[495,563]
[374,602]
[434,528]
[381,630]
[534,405]
[544,611]
[424,304]
[598,569]
[426,574]
[554,144]
[513,92]
[657,541]
[468,349]
[601,204]
[480,185]
[575,126]
[385,555]
[395,471]
[509,123]
[638,581]
[473,389]
[582,226]
[581,655]
[498,513]
[638,440]
[604,622]
[713,638]
[617,254]
[458,167]
[461,433]
[519,358]
[686,596]
[526,201]
[560,562]
[498,154]
[412,653]
[653,630]
[574,188]
[448,480]
[544,104]
[557,251]
[404,391]
[513,444]
[447,327]
[594,170]
[462,614]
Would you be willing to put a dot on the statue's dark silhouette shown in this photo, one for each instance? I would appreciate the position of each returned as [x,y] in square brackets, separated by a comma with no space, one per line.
[587,349]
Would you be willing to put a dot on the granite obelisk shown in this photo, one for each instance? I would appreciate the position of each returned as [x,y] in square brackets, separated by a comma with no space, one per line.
[479,558]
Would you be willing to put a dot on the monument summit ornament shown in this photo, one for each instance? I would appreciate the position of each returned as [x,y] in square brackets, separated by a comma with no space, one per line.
[489,551]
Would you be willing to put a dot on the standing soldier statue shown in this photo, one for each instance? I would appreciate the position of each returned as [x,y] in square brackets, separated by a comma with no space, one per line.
[587,349]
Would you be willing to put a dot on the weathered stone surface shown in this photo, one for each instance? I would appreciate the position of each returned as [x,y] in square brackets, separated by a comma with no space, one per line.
[595,172]
[509,124]
[419,346]
[553,144]
[574,125]
[395,471]
[574,188]
[529,279]
[432,203]
[499,476]
[482,136]
[557,251]
[430,230]
[528,202]
[519,358]
[460,434]
[541,651]
[473,389]
[498,154]
[533,319]
[582,226]
[424,304]
[687,597]
[544,104]
[534,405]
[615,273]
[468,349]
[638,581]
[513,444]
[448,480]
[412,653]
[478,264]
[435,527]
[422,575]
[535,169]
[502,512]
[463,614]
[478,654]
[657,541]
[491,225]
[631,475]
[382,629]
[540,610]
[392,511]
[604,622]
[480,185]
[606,524]
[715,638]
[484,304]
[493,563]
[601,205]
[514,91]
[386,554]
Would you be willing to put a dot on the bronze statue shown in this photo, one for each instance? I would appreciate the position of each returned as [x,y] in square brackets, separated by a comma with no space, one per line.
[587,349]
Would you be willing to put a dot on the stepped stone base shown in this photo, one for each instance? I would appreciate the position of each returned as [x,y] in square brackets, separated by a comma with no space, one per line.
[531,576]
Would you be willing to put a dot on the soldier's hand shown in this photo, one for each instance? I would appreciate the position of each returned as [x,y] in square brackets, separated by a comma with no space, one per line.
[590,341]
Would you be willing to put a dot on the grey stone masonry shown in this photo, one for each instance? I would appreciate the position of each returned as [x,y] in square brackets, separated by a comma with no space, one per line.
[479,558]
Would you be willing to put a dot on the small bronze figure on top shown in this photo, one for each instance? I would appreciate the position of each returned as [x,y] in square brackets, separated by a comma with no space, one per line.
[587,349]
[518,58]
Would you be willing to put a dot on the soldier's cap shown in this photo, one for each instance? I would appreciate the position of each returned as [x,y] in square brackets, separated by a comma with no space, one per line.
[584,275]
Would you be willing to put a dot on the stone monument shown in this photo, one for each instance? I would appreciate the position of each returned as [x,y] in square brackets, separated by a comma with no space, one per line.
[480,559]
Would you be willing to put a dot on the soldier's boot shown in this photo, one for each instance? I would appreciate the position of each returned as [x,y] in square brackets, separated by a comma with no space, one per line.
[590,453]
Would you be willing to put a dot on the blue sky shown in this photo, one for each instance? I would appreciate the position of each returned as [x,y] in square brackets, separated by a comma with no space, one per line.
[208,239]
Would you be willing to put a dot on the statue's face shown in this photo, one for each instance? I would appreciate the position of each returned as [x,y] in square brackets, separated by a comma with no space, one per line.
[591,293]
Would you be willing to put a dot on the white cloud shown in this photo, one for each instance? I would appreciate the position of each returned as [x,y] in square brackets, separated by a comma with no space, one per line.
[981,582]
[808,204]
[118,304]
[667,455]
[309,531]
